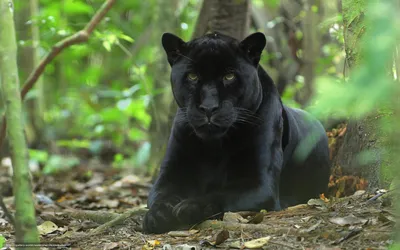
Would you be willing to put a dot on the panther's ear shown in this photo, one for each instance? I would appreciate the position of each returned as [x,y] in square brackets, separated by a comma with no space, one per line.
[253,46]
[173,46]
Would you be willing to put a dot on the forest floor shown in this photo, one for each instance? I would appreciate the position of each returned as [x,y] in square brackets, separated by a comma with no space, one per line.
[96,206]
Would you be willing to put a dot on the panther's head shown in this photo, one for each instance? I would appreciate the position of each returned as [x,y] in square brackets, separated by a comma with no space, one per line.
[214,80]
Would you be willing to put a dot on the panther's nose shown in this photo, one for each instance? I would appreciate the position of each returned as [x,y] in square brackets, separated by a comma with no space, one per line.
[208,109]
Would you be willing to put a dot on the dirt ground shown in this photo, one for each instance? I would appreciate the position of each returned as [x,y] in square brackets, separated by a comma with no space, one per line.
[71,207]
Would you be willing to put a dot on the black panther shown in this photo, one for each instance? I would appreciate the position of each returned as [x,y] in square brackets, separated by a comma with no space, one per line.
[233,145]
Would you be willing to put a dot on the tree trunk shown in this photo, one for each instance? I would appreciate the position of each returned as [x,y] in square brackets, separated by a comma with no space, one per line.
[230,17]
[28,59]
[311,48]
[25,223]
[362,135]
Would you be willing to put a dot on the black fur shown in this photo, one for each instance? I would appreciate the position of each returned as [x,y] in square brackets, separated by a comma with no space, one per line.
[233,145]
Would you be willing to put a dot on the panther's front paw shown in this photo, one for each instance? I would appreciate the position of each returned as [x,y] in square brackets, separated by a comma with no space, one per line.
[192,211]
[160,219]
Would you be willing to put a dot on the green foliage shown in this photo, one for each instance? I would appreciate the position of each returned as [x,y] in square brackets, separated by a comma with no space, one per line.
[38,155]
[2,241]
[369,86]
[58,163]
[102,90]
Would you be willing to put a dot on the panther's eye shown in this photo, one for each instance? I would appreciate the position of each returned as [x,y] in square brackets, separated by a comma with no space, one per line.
[192,77]
[229,77]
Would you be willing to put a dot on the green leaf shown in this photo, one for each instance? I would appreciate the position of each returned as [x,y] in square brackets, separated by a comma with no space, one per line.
[38,155]
[136,134]
[59,163]
[76,7]
[107,45]
[2,241]
[126,38]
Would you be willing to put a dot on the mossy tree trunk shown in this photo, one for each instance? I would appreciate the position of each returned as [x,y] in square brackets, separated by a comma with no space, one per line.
[25,223]
[361,149]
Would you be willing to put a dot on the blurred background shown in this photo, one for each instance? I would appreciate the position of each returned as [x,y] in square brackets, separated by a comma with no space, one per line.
[110,100]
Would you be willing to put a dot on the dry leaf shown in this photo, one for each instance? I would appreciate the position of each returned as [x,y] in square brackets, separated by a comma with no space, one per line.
[235,244]
[312,228]
[47,227]
[234,218]
[182,233]
[221,237]
[348,220]
[300,206]
[257,243]
[154,243]
[258,218]
[110,246]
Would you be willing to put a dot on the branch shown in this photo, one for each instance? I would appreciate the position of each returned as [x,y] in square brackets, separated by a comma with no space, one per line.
[6,212]
[79,37]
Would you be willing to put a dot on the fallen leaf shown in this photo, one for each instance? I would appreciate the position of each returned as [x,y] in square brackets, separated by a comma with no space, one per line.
[221,237]
[300,206]
[235,244]
[257,243]
[109,203]
[3,222]
[185,247]
[167,247]
[47,227]
[348,220]
[182,233]
[258,218]
[307,218]
[234,218]
[129,180]
[312,228]
[317,203]
[154,243]
[110,246]
[359,192]
[322,197]
[386,218]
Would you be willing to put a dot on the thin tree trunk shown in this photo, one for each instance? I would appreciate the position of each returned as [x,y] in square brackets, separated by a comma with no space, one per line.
[28,59]
[159,106]
[311,48]
[25,223]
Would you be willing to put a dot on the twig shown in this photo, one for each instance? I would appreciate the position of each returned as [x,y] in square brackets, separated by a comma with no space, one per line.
[112,221]
[233,226]
[279,243]
[79,37]
[6,212]
[95,216]
[351,234]
[375,197]
[119,220]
